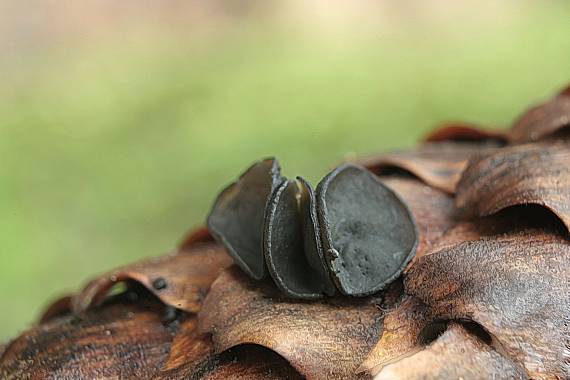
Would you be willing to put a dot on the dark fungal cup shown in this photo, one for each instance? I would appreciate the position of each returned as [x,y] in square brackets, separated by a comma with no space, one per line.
[355,235]
[368,233]
[284,244]
[237,217]
[312,239]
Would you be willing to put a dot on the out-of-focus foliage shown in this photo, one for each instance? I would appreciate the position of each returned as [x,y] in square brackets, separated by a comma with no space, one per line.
[120,123]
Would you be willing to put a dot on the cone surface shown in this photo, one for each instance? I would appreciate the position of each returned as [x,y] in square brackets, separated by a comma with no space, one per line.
[487,294]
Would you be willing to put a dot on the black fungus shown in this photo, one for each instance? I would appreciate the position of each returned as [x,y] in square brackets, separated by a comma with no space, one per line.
[354,234]
[369,235]
[284,244]
[237,217]
[312,238]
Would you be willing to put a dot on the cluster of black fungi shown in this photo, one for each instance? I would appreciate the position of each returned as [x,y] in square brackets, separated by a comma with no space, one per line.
[353,234]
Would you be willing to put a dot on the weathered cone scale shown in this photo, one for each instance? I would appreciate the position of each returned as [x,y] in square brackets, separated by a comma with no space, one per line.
[180,279]
[542,177]
[123,339]
[323,339]
[456,354]
[464,132]
[459,249]
[543,121]
[438,164]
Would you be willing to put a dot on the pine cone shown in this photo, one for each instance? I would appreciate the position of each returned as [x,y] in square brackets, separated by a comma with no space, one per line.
[486,296]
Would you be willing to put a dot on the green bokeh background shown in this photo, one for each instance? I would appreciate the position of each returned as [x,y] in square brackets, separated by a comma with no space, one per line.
[116,133]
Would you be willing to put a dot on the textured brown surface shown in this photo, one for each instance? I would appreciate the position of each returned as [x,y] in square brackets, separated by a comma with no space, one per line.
[123,339]
[543,120]
[129,338]
[248,362]
[456,354]
[516,286]
[401,329]
[438,164]
[521,175]
[422,200]
[322,340]
[403,324]
[464,132]
[179,280]
[57,308]
[187,351]
[192,358]
[195,236]
[511,220]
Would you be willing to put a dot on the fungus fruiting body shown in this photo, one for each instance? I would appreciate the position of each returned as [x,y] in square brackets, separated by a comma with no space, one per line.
[355,234]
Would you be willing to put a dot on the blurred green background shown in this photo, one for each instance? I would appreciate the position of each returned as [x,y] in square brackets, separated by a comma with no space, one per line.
[121,120]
